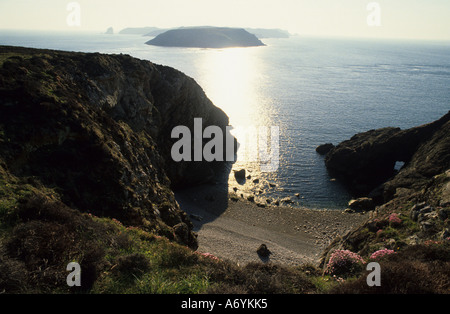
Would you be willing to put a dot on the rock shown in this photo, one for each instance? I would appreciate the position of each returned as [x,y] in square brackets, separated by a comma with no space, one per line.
[263,251]
[239,175]
[427,226]
[445,196]
[297,195]
[424,213]
[443,213]
[367,160]
[324,148]
[413,240]
[362,204]
[415,210]
[98,127]
[287,200]
[183,233]
[196,217]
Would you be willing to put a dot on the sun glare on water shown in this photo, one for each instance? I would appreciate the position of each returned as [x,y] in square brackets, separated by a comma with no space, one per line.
[232,80]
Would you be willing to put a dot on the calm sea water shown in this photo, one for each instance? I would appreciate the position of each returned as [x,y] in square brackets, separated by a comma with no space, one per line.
[315,90]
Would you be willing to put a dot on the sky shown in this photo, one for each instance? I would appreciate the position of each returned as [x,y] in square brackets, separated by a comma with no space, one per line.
[409,19]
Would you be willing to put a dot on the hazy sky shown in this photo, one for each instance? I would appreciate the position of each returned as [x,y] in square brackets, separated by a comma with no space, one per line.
[421,19]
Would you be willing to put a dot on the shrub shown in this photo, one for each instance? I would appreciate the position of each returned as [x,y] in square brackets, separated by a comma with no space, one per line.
[417,269]
[344,263]
[133,264]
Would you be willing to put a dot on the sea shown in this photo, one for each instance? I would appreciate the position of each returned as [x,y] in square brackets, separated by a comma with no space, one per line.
[309,90]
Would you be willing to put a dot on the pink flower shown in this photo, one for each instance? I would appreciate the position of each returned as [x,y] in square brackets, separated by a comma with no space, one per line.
[381,253]
[209,255]
[343,262]
[394,219]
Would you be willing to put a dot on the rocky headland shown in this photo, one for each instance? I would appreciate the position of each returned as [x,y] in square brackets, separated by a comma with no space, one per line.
[407,206]
[97,128]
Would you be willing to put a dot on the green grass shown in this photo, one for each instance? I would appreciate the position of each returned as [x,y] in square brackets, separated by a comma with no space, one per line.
[146,263]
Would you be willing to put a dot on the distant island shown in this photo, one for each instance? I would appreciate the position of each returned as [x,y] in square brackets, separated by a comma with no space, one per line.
[206,37]
[261,33]
[138,30]
[268,33]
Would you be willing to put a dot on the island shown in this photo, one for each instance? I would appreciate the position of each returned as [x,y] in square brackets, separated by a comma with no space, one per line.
[206,37]
[269,32]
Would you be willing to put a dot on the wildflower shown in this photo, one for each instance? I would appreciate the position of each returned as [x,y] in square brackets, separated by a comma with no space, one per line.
[394,219]
[380,253]
[344,262]
[209,255]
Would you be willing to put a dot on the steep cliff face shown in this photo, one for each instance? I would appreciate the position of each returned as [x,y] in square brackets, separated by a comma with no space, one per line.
[97,129]
[367,160]
[414,202]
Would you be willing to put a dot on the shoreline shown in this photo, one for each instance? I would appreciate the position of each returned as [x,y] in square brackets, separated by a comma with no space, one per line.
[233,228]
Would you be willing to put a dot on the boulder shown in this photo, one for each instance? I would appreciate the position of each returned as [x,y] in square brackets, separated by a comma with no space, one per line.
[361,204]
[324,148]
[263,251]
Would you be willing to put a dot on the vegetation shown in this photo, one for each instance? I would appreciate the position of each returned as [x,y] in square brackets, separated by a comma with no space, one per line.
[40,235]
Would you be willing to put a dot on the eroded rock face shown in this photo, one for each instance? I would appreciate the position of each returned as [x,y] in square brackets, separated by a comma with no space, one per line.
[97,128]
[368,159]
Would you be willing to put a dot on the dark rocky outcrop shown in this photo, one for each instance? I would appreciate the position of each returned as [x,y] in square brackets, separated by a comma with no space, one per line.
[97,129]
[367,160]
[362,204]
[206,37]
[412,204]
[324,148]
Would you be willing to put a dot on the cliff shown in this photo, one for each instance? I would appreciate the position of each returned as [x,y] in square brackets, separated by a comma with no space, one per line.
[367,160]
[413,203]
[96,129]
[206,37]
